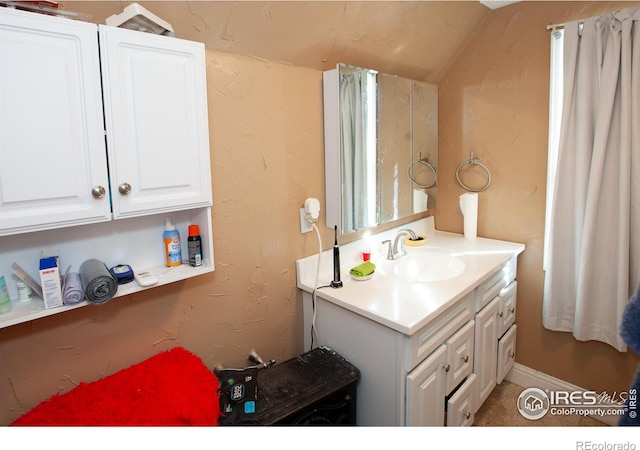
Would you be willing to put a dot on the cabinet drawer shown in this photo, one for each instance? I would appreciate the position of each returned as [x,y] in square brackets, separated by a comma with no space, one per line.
[460,355]
[507,312]
[426,340]
[506,353]
[460,407]
[489,288]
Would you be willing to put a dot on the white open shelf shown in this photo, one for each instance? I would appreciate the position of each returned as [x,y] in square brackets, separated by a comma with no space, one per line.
[136,241]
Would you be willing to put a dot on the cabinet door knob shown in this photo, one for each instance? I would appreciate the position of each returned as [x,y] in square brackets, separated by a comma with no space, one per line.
[124,188]
[446,367]
[501,314]
[98,192]
[512,310]
[512,355]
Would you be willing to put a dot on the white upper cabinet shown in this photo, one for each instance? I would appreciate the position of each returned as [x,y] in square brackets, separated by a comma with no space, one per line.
[55,168]
[156,120]
[52,149]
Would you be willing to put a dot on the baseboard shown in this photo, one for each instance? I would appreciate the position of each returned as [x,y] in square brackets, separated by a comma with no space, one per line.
[527,377]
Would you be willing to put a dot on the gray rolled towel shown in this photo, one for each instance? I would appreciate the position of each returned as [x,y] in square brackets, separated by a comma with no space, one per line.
[98,283]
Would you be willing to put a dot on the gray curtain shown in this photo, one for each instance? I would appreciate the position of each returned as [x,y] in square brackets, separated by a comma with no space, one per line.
[355,155]
[593,262]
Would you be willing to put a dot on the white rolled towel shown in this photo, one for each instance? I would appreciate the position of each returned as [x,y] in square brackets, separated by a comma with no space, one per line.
[72,291]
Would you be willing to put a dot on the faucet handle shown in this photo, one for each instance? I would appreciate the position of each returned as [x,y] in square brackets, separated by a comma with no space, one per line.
[389,249]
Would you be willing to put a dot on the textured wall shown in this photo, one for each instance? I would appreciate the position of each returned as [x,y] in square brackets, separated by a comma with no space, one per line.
[494,102]
[399,37]
[267,157]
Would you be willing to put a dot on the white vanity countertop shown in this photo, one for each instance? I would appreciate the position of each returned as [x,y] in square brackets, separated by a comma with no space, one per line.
[402,305]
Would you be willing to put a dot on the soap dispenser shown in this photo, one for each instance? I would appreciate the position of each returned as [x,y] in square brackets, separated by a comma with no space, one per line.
[172,247]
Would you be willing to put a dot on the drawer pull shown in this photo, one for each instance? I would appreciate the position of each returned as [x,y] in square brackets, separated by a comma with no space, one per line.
[501,314]
[512,310]
[467,415]
[512,355]
[465,358]
[446,367]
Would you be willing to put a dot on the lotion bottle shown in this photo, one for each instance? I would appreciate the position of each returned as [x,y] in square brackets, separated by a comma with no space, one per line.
[172,247]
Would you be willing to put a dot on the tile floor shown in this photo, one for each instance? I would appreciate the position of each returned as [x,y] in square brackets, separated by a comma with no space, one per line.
[500,410]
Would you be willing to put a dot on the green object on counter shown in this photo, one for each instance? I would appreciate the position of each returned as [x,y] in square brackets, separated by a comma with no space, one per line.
[364,269]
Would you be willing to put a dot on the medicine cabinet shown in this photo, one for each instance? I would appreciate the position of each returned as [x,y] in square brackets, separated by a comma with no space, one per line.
[103,135]
[381,147]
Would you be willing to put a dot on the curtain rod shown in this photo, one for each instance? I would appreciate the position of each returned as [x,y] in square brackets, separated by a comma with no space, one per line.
[560,26]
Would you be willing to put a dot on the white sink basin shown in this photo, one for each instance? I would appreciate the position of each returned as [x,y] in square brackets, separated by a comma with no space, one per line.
[427,265]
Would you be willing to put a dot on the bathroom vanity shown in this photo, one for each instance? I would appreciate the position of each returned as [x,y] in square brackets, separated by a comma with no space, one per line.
[431,332]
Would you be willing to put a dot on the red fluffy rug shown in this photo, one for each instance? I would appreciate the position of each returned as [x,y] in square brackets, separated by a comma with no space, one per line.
[171,388]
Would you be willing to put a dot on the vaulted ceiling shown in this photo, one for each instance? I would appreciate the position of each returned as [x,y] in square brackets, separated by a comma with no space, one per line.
[414,39]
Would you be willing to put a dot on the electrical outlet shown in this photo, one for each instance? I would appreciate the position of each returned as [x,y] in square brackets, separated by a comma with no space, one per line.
[305,226]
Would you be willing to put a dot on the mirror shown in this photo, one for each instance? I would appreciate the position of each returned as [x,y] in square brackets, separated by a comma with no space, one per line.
[381,147]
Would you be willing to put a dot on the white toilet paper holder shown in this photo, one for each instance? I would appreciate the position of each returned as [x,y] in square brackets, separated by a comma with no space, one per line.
[473,162]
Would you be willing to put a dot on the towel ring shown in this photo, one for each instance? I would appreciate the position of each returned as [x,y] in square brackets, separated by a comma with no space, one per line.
[473,162]
[426,163]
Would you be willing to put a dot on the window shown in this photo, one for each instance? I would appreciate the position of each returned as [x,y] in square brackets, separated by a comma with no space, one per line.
[555,116]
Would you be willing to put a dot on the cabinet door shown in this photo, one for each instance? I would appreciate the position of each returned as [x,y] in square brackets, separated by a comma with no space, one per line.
[486,350]
[156,118]
[52,150]
[425,391]
[506,353]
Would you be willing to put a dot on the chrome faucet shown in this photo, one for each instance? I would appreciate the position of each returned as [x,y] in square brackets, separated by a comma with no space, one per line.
[397,250]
